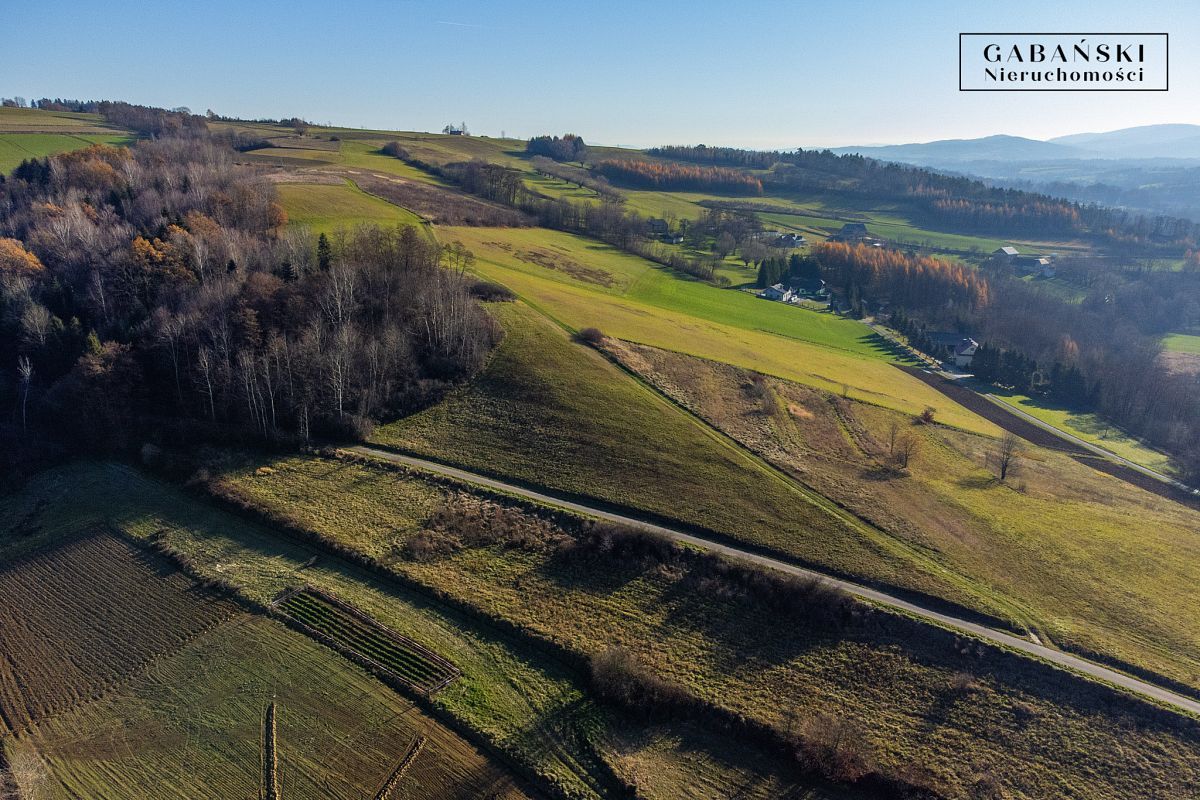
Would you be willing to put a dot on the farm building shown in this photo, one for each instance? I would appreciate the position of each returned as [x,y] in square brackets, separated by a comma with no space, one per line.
[852,232]
[954,347]
[657,226]
[778,292]
[672,238]
[1005,253]
[788,240]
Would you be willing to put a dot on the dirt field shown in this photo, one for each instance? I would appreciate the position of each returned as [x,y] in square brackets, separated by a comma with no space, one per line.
[85,615]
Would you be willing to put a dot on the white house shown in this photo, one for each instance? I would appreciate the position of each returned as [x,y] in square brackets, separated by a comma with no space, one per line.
[778,292]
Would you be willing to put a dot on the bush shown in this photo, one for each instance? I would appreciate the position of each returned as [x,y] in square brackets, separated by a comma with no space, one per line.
[492,292]
[590,336]
[618,678]
[833,747]
[395,150]
[927,415]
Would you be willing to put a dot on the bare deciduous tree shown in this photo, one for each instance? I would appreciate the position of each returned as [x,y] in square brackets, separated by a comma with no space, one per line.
[1006,456]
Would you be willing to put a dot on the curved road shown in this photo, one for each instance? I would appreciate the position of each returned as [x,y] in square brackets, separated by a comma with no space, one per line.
[1072,662]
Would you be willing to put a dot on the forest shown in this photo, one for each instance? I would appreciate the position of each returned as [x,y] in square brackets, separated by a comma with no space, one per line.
[660,175]
[153,291]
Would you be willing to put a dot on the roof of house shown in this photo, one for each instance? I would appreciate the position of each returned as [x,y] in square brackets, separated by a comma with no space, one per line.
[1008,251]
[854,227]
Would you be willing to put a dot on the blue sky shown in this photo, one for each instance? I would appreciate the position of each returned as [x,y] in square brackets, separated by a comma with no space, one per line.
[762,74]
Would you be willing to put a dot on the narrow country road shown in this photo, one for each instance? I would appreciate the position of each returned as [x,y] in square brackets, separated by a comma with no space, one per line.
[1072,662]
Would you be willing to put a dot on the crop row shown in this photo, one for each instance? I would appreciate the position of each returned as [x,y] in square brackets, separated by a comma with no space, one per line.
[369,640]
[369,643]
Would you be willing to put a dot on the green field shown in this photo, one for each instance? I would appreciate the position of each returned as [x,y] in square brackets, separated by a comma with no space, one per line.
[1090,427]
[1182,343]
[191,726]
[16,147]
[588,284]
[326,207]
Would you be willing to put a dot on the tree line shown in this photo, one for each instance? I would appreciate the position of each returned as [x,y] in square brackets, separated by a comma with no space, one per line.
[659,175]
[567,148]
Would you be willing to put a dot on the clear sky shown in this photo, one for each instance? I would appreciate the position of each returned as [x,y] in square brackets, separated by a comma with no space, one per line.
[750,73]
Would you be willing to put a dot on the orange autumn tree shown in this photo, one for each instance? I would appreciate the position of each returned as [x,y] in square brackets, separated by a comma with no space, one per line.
[907,280]
[16,260]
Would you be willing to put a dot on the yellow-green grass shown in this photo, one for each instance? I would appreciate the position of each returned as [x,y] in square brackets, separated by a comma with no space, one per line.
[1039,736]
[16,147]
[191,727]
[34,120]
[1090,427]
[552,413]
[1075,554]
[327,207]
[530,707]
[1182,343]
[649,304]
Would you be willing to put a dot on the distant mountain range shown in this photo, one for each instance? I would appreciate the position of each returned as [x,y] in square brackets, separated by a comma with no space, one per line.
[1145,142]
[1152,168]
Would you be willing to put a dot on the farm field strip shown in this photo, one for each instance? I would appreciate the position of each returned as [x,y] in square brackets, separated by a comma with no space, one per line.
[65,608]
[408,662]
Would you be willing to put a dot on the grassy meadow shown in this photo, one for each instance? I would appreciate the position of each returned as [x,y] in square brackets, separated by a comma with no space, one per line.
[1090,427]
[1076,555]
[1182,343]
[324,207]
[898,693]
[580,283]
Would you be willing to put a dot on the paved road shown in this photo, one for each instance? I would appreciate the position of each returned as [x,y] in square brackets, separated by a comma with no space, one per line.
[1091,448]
[1058,657]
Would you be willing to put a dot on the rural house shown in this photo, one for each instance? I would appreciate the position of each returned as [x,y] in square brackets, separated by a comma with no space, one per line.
[778,292]
[788,240]
[851,232]
[954,347]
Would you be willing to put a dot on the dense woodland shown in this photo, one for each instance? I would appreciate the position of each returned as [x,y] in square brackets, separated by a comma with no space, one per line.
[154,289]
[663,175]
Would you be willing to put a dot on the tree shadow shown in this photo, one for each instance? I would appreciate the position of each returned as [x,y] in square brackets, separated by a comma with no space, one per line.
[977,481]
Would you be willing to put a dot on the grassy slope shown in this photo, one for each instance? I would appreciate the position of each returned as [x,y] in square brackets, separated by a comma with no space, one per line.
[1090,427]
[1182,343]
[32,133]
[527,705]
[648,304]
[16,147]
[556,414]
[1083,558]
[326,207]
[1038,740]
